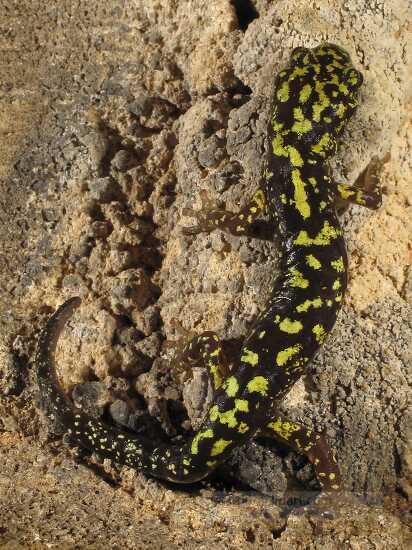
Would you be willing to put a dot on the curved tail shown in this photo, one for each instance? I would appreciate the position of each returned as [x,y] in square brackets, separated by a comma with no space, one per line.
[165,461]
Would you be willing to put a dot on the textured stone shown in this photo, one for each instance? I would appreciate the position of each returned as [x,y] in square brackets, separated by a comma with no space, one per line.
[186,87]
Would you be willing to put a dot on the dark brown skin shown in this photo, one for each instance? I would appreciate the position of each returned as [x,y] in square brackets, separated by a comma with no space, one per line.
[314,98]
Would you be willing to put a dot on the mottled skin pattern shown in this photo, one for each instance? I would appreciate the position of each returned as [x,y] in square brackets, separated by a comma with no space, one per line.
[314,98]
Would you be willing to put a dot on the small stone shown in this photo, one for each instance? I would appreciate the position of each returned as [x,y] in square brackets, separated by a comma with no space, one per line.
[72,281]
[136,420]
[259,468]
[103,189]
[81,249]
[246,255]
[133,291]
[39,186]
[407,289]
[120,412]
[148,320]
[10,372]
[238,138]
[98,146]
[142,105]
[100,229]
[142,227]
[150,346]
[69,152]
[141,183]
[123,160]
[121,260]
[118,386]
[50,215]
[113,87]
[143,208]
[218,242]
[197,395]
[44,246]
[131,362]
[9,423]
[226,177]
[234,284]
[211,152]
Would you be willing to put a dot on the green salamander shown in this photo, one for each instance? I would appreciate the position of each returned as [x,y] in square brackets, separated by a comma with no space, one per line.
[314,98]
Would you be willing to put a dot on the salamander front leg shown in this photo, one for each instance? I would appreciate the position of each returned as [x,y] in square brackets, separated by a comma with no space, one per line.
[350,193]
[366,190]
[208,218]
[311,444]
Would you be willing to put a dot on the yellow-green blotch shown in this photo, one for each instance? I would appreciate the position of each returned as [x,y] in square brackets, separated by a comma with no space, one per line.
[243,428]
[305,93]
[313,262]
[344,191]
[325,143]
[336,284]
[296,278]
[324,101]
[319,332]
[301,198]
[289,326]
[197,438]
[278,146]
[229,417]
[231,386]
[259,199]
[215,372]
[258,384]
[298,114]
[219,446]
[250,357]
[284,355]
[283,92]
[298,71]
[338,265]
[283,429]
[288,151]
[323,238]
[295,157]
[316,303]
[340,110]
[302,127]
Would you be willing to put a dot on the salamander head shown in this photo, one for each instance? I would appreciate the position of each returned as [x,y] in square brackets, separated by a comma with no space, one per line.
[315,97]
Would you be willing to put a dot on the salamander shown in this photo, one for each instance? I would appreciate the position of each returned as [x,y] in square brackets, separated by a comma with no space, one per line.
[314,97]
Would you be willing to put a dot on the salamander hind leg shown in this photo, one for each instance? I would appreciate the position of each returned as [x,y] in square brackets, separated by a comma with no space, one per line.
[208,218]
[311,444]
[204,350]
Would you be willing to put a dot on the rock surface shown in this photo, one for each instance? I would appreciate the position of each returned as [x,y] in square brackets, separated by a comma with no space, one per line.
[115,117]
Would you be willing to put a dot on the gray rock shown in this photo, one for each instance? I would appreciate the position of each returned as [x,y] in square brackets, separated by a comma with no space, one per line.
[120,412]
[103,189]
[91,397]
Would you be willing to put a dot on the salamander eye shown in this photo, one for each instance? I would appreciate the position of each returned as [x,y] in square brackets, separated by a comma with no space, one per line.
[337,52]
[354,78]
[298,55]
